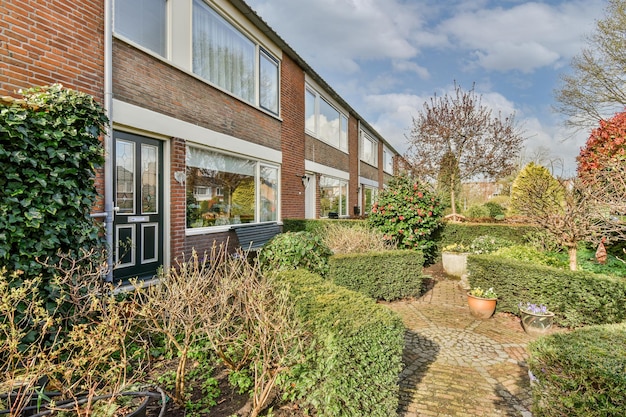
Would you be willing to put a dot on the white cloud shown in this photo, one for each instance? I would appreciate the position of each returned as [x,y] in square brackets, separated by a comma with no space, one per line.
[336,34]
[525,37]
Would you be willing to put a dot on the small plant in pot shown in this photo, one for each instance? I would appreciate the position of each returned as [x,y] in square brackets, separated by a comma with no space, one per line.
[536,318]
[482,303]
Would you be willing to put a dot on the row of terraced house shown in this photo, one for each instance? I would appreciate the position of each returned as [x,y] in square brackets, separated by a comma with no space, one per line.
[216,121]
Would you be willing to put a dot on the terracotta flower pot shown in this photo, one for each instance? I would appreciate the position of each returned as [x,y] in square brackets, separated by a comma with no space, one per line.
[481,308]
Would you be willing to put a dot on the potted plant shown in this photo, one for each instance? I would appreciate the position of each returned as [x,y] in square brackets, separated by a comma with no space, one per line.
[536,318]
[482,303]
[454,259]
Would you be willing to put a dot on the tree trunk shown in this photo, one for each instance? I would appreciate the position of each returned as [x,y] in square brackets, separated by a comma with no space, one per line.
[573,264]
[452,196]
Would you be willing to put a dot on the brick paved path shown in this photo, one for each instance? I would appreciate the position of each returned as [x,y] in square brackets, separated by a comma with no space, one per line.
[456,365]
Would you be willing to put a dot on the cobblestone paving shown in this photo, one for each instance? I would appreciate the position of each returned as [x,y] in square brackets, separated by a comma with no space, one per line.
[455,365]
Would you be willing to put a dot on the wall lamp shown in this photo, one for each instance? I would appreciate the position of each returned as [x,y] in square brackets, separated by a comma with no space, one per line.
[305,180]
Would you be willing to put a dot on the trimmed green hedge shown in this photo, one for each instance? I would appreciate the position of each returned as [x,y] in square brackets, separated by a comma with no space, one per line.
[314,225]
[356,356]
[582,373]
[387,275]
[465,233]
[576,297]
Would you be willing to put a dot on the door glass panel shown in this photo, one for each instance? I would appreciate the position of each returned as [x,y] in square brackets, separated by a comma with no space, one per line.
[149,176]
[125,176]
[269,193]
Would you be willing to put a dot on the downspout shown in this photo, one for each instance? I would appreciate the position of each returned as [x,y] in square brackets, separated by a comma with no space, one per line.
[108,139]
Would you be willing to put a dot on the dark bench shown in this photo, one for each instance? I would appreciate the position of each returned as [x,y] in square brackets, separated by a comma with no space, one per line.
[253,236]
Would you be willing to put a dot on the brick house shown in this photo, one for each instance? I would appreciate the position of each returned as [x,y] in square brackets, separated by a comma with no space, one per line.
[216,121]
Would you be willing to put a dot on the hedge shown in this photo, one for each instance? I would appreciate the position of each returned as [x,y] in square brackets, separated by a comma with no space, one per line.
[465,233]
[576,297]
[314,225]
[582,373]
[353,366]
[387,275]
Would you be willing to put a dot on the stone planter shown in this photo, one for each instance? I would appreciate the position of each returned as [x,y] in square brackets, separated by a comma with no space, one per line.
[454,263]
[536,324]
[481,308]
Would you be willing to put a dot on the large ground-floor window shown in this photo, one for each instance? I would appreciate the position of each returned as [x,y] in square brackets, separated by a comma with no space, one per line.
[333,197]
[224,189]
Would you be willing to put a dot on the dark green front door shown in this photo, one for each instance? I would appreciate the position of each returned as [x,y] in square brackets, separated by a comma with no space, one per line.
[138,197]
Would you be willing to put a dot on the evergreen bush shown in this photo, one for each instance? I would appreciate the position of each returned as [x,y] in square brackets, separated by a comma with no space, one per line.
[577,298]
[387,275]
[49,151]
[293,250]
[581,373]
[356,356]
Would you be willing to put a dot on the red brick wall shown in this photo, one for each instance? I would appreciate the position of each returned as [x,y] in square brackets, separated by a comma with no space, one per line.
[368,171]
[320,152]
[177,199]
[292,136]
[141,79]
[52,41]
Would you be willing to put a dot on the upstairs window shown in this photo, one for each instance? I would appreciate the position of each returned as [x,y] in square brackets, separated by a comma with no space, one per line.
[143,22]
[387,161]
[324,121]
[369,149]
[227,58]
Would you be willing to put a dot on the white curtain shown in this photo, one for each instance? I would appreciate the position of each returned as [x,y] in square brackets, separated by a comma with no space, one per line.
[221,54]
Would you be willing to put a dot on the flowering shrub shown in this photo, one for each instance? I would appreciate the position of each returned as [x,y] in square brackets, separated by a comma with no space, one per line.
[480,293]
[533,308]
[409,214]
[487,244]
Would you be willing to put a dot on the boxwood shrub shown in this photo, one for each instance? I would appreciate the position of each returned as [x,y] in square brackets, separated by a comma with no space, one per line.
[386,275]
[465,233]
[353,365]
[576,297]
[582,373]
[316,225]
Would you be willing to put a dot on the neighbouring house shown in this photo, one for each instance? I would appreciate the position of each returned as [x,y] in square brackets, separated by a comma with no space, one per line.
[216,120]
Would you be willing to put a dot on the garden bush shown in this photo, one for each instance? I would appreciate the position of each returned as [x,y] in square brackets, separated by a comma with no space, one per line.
[465,233]
[576,297]
[293,250]
[495,209]
[582,373]
[387,275]
[488,244]
[356,356]
[316,226]
[478,211]
[49,151]
[409,214]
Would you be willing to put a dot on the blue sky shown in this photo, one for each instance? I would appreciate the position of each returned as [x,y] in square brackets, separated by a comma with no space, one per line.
[387,57]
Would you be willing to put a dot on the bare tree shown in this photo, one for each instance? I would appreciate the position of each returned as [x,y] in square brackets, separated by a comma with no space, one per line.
[596,88]
[461,127]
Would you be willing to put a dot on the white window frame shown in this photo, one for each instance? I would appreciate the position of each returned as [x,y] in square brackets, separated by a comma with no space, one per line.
[257,187]
[260,51]
[387,160]
[341,142]
[166,33]
[367,139]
